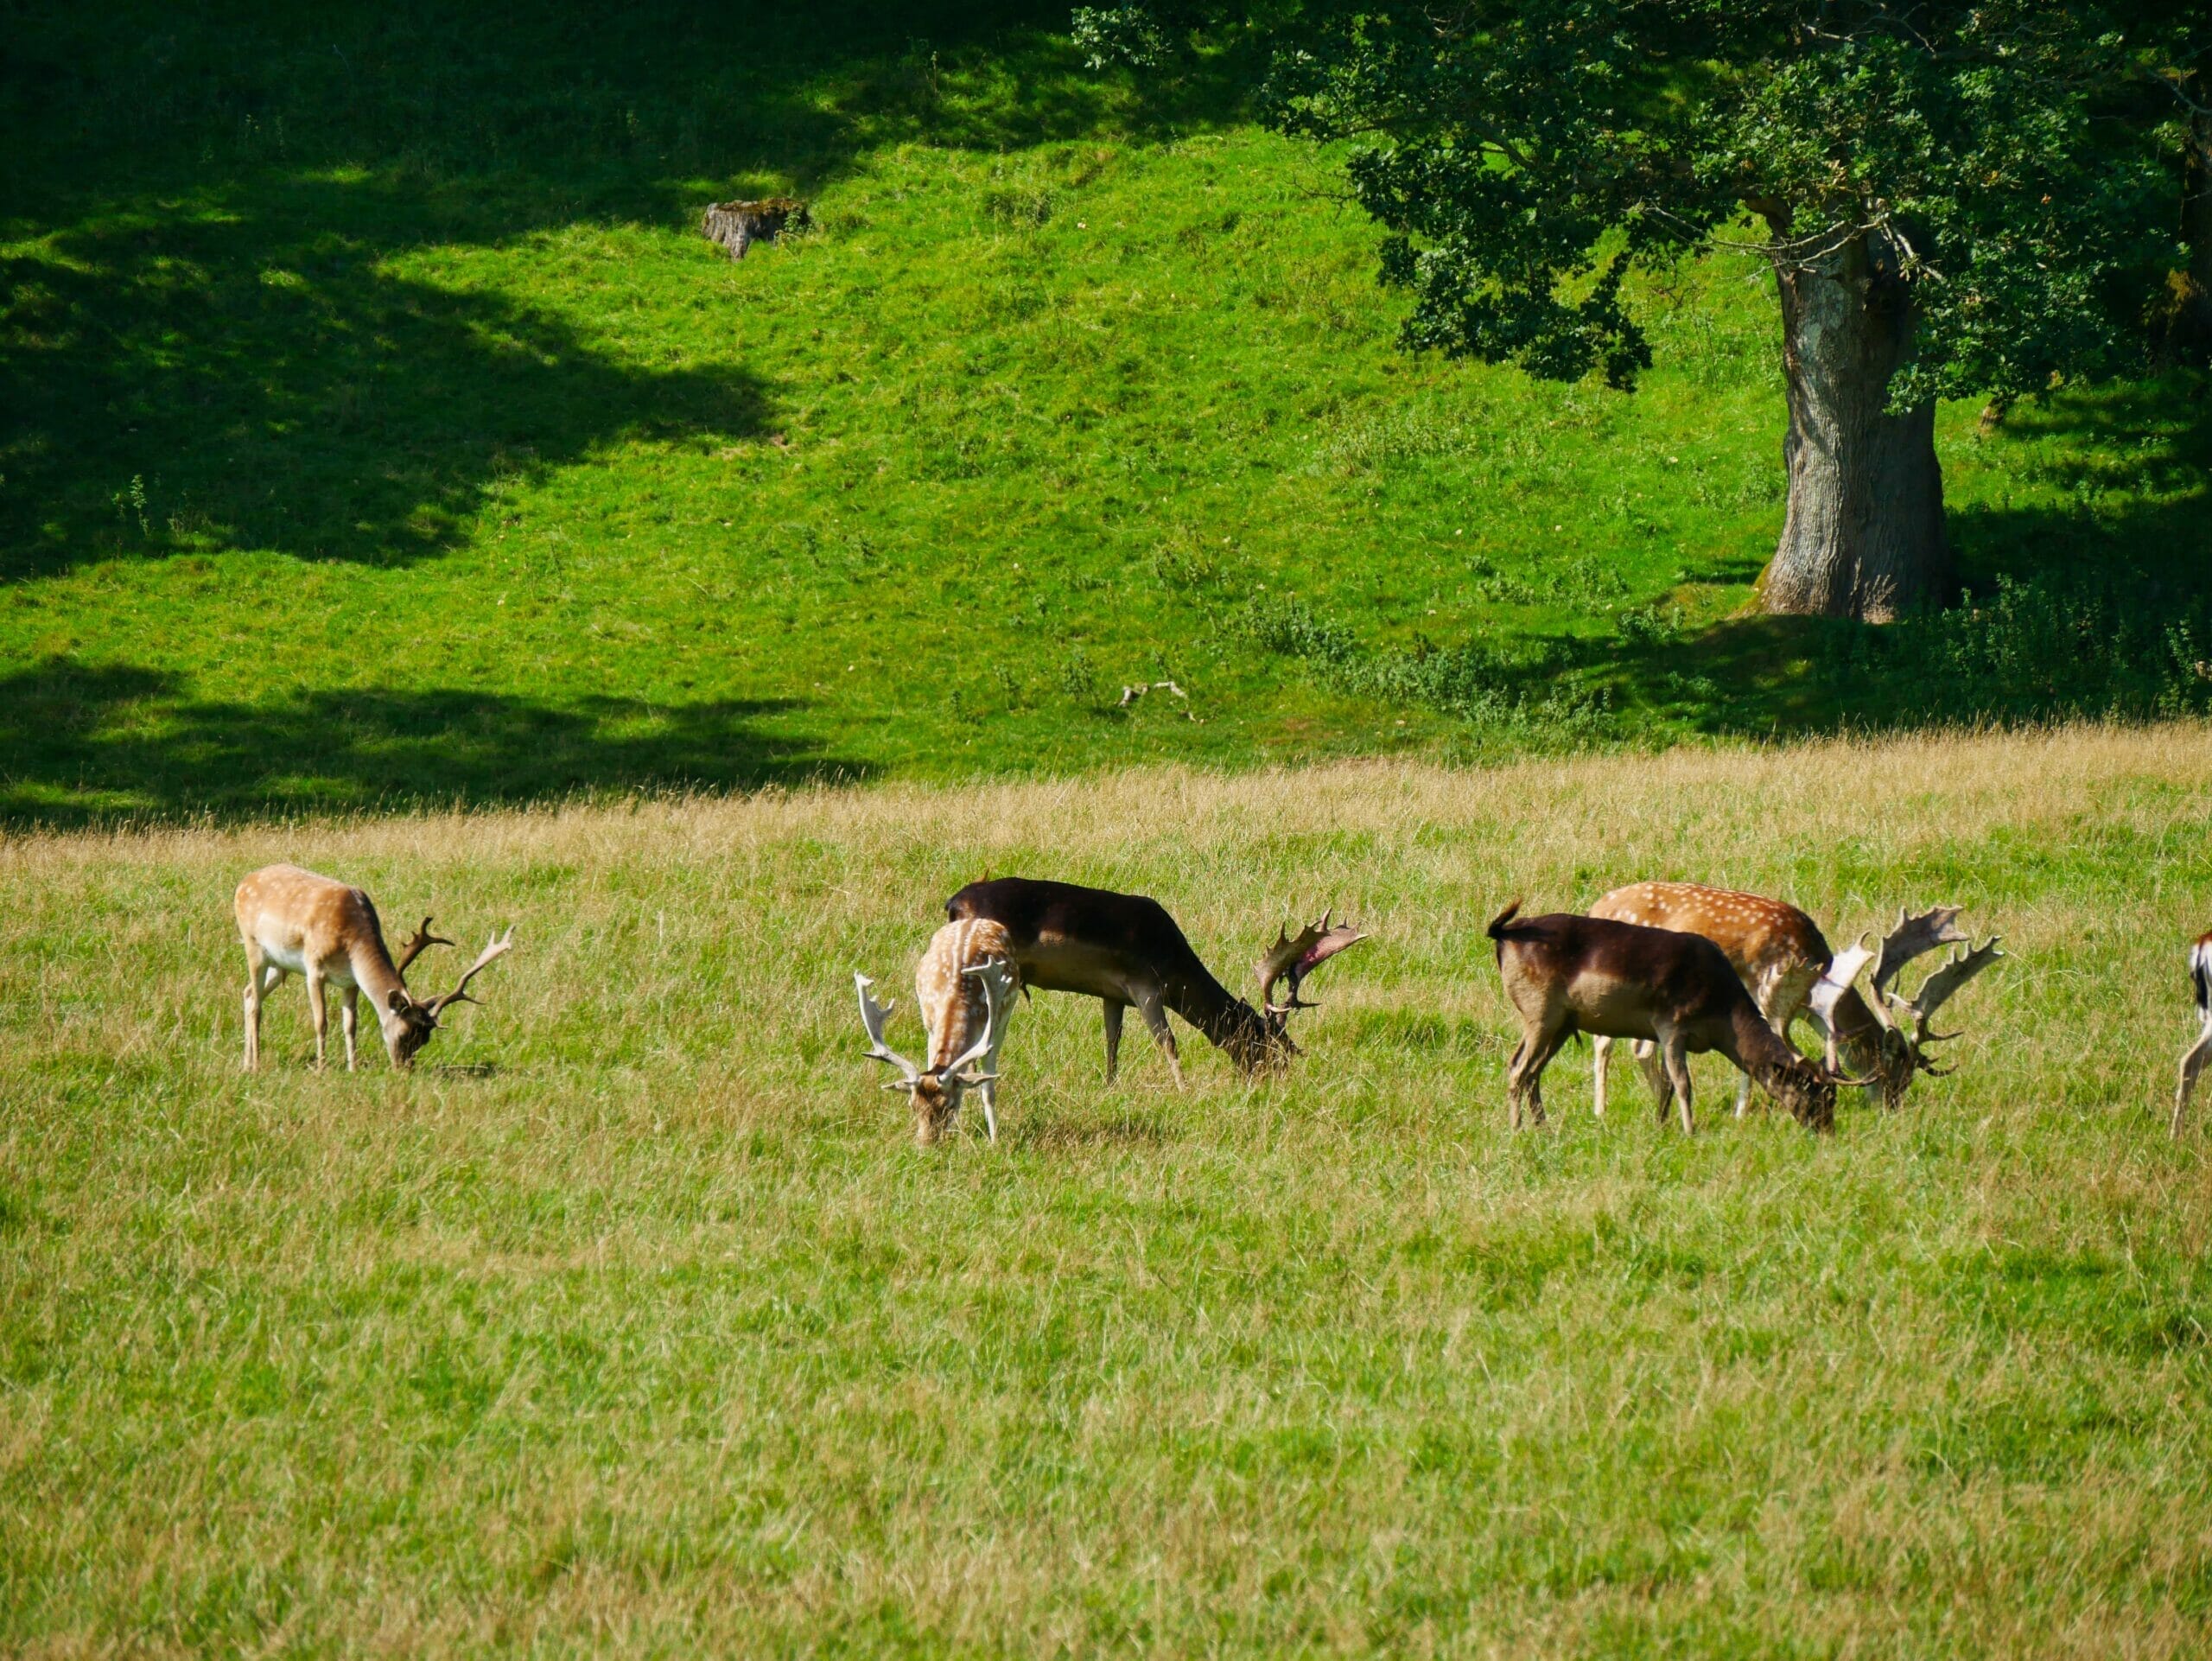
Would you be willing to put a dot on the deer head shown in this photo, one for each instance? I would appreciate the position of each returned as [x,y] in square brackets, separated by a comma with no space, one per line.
[1288,962]
[935,1093]
[407,1023]
[1906,1031]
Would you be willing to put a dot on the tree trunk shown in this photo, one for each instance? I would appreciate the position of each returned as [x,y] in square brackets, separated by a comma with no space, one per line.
[2196,223]
[1864,534]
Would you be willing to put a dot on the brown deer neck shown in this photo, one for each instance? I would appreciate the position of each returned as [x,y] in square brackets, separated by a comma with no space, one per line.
[374,972]
[1228,1022]
[1766,1057]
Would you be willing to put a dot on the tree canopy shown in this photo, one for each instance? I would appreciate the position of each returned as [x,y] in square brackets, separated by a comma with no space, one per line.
[1956,198]
[1527,155]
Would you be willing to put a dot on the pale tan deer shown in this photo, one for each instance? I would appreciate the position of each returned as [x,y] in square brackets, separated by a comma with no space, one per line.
[2200,977]
[292,922]
[965,986]
[1784,961]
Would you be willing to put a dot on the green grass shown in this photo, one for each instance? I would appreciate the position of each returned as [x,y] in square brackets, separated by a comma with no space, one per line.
[633,1321]
[375,427]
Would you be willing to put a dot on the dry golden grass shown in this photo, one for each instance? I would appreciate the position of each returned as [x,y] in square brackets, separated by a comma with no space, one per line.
[633,1321]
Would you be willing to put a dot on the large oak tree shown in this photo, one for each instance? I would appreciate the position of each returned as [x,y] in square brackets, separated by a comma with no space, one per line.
[1955,200]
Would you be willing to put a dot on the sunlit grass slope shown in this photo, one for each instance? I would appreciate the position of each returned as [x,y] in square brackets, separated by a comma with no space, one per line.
[635,1321]
[375,426]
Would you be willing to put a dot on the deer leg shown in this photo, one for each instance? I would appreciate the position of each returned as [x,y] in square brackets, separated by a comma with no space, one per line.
[1114,1011]
[1601,1056]
[1675,1056]
[1154,1014]
[1647,1060]
[349,1002]
[1537,1048]
[2191,1064]
[255,969]
[317,1012]
[1513,1082]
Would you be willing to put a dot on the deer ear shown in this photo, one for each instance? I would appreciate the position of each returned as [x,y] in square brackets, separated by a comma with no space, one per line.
[396,999]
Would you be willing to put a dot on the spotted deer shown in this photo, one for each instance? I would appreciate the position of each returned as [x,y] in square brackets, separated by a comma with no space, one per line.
[965,986]
[1127,951]
[1566,974]
[292,922]
[2192,1063]
[1784,959]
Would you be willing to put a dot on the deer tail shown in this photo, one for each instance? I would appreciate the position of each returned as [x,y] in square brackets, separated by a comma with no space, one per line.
[1498,929]
[2199,972]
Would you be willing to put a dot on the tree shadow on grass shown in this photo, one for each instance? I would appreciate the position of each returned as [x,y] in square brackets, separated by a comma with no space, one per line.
[201,346]
[254,380]
[85,745]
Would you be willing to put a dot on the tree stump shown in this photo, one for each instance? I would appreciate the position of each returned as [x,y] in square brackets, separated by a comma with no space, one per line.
[738,226]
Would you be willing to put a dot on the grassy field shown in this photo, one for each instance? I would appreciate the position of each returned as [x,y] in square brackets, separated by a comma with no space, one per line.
[634,1319]
[375,427]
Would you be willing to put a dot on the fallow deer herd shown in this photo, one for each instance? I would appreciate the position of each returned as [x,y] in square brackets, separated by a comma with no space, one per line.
[1676,968]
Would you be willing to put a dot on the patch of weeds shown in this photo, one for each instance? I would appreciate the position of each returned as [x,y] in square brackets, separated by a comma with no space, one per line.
[1648,626]
[1472,681]
[1584,580]
[1078,679]
[1022,207]
[2112,644]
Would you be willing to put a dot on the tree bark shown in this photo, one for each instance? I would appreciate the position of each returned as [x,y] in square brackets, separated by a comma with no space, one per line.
[2196,218]
[1863,537]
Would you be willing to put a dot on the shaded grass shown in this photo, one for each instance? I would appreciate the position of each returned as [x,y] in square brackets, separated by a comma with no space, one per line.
[635,1321]
[367,360]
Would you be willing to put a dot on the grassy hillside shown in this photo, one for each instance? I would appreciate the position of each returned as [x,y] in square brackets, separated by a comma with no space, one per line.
[634,1320]
[374,426]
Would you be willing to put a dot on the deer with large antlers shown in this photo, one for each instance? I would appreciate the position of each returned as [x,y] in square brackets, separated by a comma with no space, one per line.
[1127,951]
[292,922]
[2192,1063]
[965,986]
[1784,962]
[1566,974]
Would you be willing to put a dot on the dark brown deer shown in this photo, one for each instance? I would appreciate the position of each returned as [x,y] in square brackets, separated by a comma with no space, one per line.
[1567,974]
[1126,950]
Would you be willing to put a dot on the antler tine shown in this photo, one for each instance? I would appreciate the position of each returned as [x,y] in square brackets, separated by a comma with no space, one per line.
[1913,937]
[412,948]
[495,947]
[873,1015]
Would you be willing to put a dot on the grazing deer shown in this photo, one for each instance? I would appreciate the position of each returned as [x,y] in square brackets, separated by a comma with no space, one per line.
[1125,950]
[1567,974]
[1783,957]
[2200,975]
[965,986]
[293,921]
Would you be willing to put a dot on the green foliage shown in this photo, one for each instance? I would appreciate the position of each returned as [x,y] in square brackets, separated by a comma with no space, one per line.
[2012,162]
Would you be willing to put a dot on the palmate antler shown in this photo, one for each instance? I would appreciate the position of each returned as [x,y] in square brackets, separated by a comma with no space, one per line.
[495,948]
[1297,958]
[1913,936]
[1955,972]
[873,1015]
